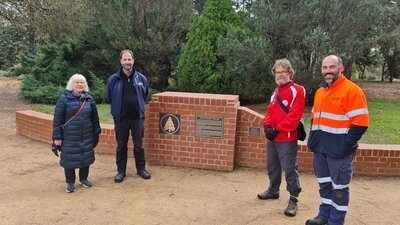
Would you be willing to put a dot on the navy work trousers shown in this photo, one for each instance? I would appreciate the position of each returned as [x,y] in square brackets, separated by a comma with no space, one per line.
[334,176]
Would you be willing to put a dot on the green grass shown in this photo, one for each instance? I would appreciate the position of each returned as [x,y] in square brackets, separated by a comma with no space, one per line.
[384,124]
[384,127]
[103,109]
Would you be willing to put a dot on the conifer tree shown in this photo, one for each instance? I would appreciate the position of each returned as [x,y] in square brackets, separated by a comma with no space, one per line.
[198,63]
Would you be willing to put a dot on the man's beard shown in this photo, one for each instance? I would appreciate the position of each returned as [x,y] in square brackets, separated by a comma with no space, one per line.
[127,66]
[281,81]
[331,79]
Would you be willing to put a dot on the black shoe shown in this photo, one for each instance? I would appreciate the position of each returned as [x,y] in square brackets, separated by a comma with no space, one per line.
[267,195]
[119,178]
[144,174]
[316,221]
[291,209]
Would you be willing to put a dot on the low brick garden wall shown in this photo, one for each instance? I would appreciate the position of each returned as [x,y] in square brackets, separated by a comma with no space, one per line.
[242,143]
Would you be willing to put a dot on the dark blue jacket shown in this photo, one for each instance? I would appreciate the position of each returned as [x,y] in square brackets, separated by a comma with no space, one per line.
[78,136]
[114,93]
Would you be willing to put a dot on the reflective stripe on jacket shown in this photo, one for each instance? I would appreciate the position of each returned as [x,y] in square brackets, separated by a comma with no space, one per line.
[335,110]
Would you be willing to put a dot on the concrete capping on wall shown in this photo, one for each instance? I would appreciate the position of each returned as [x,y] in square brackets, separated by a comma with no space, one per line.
[249,151]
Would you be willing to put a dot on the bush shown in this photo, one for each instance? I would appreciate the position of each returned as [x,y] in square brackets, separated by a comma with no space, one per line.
[50,71]
[246,67]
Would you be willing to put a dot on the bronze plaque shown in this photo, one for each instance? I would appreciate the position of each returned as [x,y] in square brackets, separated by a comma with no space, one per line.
[254,131]
[170,123]
[209,127]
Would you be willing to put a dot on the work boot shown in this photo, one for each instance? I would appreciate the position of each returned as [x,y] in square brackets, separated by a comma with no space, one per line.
[119,178]
[291,209]
[144,174]
[267,195]
[316,221]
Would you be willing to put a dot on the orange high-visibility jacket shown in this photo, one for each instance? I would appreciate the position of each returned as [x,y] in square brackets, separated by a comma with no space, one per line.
[339,118]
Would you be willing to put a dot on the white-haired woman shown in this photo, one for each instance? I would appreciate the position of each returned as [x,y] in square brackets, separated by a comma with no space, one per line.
[76,130]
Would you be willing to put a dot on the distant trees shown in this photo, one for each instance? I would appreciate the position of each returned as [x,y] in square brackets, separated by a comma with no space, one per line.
[229,49]
[154,30]
[24,25]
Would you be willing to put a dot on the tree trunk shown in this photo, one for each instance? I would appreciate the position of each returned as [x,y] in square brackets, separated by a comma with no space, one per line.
[383,72]
[363,72]
[347,69]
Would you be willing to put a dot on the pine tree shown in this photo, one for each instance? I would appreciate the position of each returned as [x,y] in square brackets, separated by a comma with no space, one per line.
[198,63]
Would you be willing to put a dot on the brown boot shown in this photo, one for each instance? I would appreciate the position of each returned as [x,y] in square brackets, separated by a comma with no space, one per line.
[291,209]
[267,195]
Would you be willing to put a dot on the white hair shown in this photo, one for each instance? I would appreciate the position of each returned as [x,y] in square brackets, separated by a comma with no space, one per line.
[74,78]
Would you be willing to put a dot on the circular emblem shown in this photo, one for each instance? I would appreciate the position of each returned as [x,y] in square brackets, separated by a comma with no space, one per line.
[169,124]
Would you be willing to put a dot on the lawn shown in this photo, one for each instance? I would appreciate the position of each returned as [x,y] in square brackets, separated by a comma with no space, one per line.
[103,109]
[384,120]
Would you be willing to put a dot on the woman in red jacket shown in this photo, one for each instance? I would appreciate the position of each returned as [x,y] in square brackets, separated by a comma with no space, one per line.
[280,130]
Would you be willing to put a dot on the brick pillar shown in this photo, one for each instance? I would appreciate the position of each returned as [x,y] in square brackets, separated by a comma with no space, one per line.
[187,147]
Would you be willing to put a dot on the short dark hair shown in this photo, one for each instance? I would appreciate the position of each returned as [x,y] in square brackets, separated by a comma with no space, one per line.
[124,51]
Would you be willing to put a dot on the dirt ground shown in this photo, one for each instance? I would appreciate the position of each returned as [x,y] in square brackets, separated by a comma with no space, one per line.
[32,190]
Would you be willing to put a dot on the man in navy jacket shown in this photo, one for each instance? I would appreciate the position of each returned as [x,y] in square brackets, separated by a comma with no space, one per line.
[127,91]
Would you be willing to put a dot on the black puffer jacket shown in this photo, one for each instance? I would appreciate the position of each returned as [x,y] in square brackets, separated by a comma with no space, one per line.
[78,136]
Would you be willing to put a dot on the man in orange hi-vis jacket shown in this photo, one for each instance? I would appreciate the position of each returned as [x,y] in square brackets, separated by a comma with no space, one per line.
[339,119]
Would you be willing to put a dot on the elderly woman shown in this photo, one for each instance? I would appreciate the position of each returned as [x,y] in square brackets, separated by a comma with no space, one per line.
[76,130]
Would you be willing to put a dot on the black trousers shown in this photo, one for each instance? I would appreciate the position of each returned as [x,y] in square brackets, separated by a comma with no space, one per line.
[70,174]
[122,128]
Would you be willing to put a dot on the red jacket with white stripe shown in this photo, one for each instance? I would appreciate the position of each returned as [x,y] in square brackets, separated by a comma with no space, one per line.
[293,97]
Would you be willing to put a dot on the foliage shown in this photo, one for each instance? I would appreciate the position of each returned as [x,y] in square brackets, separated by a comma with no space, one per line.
[389,42]
[97,88]
[27,24]
[369,58]
[198,63]
[11,45]
[246,67]
[305,31]
[153,30]
[50,71]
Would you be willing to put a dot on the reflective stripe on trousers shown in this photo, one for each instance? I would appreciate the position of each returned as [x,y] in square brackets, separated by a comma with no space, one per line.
[334,176]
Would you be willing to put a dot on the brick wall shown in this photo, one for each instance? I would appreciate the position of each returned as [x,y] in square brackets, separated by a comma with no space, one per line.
[370,160]
[185,149]
[238,148]
[250,150]
[39,126]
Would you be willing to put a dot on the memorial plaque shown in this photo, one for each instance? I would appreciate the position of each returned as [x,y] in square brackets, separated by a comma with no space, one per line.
[209,127]
[170,123]
[254,131]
